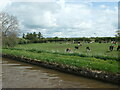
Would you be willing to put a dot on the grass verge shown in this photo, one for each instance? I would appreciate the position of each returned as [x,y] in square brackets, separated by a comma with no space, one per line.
[83,62]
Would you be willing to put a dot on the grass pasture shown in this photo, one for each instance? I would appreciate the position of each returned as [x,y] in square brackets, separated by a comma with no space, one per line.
[97,49]
[55,52]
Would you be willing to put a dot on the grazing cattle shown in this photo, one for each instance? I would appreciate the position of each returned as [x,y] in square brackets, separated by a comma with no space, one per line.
[88,49]
[118,48]
[76,47]
[68,50]
[111,47]
[114,42]
[78,43]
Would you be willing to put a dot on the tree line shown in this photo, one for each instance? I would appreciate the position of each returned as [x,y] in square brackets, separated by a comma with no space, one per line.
[32,36]
[38,38]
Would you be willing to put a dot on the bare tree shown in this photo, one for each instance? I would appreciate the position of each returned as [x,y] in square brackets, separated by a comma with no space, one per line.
[8,28]
[9,24]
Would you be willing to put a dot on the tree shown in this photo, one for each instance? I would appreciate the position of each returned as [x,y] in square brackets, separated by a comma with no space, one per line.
[34,35]
[9,28]
[23,35]
[40,35]
[56,37]
[29,36]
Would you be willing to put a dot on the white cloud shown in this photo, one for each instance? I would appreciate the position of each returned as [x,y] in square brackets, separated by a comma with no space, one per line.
[66,19]
[3,4]
[103,6]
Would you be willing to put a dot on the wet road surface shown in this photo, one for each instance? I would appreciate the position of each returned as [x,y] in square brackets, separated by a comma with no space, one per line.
[22,75]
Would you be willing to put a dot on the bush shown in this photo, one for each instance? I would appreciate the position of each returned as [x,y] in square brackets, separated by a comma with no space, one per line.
[9,41]
[22,41]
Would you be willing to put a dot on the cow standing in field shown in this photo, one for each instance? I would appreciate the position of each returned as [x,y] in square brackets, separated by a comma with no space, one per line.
[88,49]
[79,44]
[111,48]
[68,50]
[76,47]
[114,42]
[118,48]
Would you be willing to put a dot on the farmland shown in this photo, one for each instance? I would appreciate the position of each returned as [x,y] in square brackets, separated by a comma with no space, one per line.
[97,49]
[55,52]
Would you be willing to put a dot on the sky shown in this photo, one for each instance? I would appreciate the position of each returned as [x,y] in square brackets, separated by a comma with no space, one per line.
[68,18]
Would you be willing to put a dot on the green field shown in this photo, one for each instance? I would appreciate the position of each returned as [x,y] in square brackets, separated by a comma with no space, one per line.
[84,62]
[97,49]
[99,58]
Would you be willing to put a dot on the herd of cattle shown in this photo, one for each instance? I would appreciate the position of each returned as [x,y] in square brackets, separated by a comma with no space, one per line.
[77,47]
[111,47]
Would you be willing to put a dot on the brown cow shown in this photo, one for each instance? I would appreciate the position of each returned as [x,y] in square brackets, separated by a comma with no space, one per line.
[68,50]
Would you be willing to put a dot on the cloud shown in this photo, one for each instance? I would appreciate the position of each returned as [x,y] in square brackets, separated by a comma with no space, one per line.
[65,19]
[3,4]
[103,6]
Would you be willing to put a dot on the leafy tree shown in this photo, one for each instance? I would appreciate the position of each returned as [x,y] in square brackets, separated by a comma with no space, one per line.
[23,35]
[56,37]
[40,35]
[34,35]
[29,36]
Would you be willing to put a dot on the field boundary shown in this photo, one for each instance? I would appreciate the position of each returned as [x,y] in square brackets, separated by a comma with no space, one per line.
[92,74]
